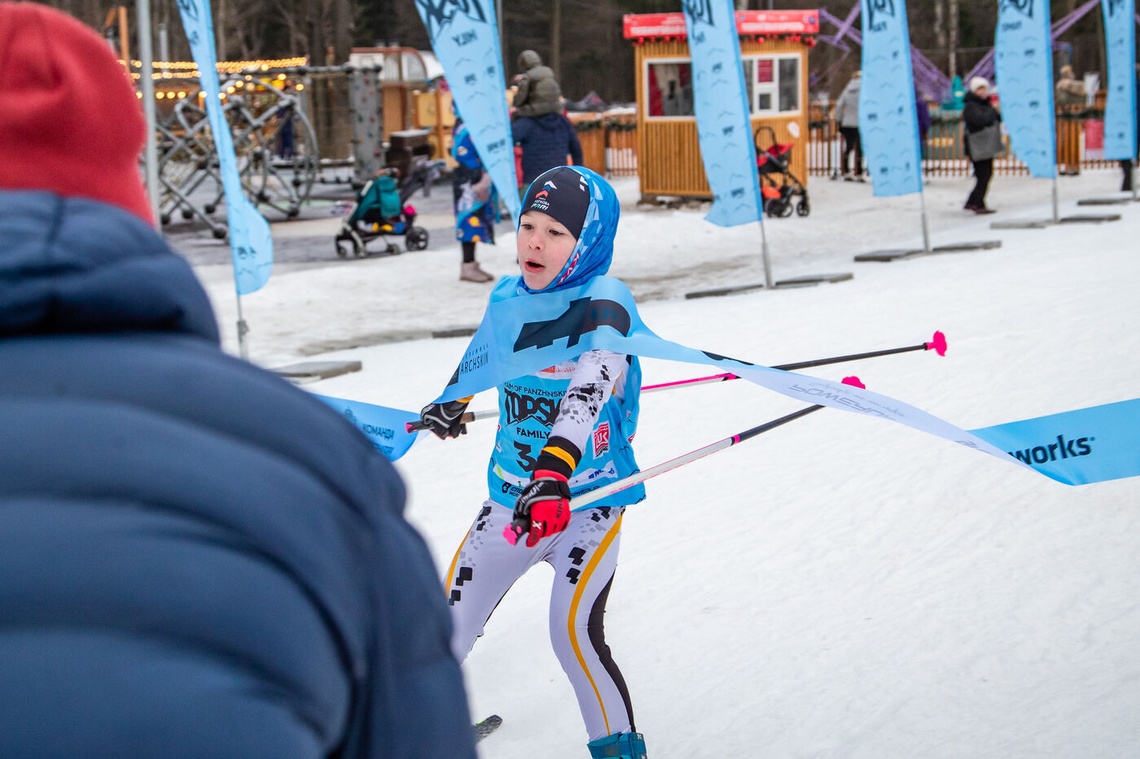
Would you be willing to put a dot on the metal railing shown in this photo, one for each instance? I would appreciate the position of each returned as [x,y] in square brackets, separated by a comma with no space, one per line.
[609,144]
[943,151]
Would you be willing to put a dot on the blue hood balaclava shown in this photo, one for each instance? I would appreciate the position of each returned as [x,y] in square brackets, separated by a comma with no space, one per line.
[594,252]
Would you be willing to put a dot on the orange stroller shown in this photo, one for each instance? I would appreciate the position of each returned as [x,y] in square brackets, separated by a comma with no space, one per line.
[778,185]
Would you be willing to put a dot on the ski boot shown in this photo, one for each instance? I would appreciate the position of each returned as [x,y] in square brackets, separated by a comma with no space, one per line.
[618,746]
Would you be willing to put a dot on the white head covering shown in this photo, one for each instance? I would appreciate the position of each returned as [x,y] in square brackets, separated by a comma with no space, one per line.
[977,83]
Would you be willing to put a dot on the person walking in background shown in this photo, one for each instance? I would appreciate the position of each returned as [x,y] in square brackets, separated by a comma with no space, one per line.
[1069,91]
[476,203]
[847,116]
[286,131]
[1127,164]
[573,436]
[198,558]
[538,92]
[546,141]
[1070,97]
[922,113]
[982,140]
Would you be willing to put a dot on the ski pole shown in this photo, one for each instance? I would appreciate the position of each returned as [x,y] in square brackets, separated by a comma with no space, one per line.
[937,344]
[699,453]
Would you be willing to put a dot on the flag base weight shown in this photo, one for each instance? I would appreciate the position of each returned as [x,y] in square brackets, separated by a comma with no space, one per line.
[1084,218]
[958,247]
[311,371]
[814,279]
[807,280]
[1115,201]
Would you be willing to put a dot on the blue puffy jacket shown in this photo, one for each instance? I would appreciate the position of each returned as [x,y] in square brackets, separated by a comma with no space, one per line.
[196,558]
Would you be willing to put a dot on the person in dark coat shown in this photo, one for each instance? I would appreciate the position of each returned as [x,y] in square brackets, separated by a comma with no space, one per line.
[922,113]
[197,559]
[977,114]
[545,142]
[1127,163]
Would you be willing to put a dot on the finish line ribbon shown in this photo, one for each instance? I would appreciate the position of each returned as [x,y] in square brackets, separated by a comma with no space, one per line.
[520,336]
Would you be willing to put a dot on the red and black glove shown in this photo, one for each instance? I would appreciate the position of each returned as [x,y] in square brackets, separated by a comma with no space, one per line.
[445,419]
[542,509]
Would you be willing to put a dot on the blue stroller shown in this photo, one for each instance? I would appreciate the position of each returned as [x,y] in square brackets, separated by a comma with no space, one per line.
[382,210]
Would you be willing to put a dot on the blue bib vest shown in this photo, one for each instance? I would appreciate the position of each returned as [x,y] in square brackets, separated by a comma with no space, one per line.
[527,409]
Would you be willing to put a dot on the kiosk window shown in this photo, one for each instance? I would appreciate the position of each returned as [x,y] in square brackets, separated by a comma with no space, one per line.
[772,84]
[670,89]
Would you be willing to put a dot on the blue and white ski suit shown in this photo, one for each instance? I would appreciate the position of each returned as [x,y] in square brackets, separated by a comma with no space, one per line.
[588,406]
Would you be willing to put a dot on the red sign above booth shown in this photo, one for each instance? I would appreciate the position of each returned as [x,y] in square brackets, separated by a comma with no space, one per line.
[652,25]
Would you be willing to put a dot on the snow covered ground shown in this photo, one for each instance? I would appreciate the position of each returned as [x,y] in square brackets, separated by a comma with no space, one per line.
[839,587]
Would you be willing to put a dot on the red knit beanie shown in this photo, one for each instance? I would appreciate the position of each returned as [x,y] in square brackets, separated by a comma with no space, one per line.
[70,121]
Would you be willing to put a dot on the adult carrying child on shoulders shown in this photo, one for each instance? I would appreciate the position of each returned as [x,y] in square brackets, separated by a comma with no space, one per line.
[538,92]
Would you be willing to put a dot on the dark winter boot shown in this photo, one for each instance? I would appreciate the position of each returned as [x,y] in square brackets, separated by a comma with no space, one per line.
[618,746]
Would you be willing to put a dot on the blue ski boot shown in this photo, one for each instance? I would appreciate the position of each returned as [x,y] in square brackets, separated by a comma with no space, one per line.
[618,746]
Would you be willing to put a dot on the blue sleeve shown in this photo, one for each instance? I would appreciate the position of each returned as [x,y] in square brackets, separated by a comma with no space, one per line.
[464,152]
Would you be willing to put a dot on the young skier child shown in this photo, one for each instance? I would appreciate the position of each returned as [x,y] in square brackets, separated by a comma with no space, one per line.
[562,432]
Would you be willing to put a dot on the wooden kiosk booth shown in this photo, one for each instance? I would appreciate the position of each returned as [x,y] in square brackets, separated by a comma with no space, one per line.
[774,50]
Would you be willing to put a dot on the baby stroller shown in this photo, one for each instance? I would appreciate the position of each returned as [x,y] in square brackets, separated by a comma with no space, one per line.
[382,210]
[778,185]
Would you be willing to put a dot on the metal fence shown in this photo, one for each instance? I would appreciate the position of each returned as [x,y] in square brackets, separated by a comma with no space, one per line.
[943,151]
[609,144]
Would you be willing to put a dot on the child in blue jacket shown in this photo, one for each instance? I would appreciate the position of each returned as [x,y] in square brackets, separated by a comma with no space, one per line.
[563,431]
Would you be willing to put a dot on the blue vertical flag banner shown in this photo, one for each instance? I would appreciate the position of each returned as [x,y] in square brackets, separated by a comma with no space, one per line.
[888,118]
[1120,105]
[1023,65]
[465,38]
[250,240]
[724,127]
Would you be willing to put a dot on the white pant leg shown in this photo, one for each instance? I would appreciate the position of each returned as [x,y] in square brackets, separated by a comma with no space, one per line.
[483,570]
[584,559]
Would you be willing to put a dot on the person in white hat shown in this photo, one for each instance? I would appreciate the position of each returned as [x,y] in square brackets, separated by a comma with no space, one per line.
[982,120]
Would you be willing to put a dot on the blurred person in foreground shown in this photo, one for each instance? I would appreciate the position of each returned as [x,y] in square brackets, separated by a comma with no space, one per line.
[197,559]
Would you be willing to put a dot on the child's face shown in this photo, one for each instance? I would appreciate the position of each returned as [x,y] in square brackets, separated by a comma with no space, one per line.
[544,247]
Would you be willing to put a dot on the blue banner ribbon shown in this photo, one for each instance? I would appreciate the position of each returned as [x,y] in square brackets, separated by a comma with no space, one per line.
[385,427]
[724,126]
[465,38]
[1120,104]
[250,240]
[1075,447]
[1023,64]
[520,336]
[888,118]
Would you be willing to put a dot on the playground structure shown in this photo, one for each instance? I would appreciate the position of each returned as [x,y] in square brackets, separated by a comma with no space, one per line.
[928,78]
[290,124]
[274,144]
